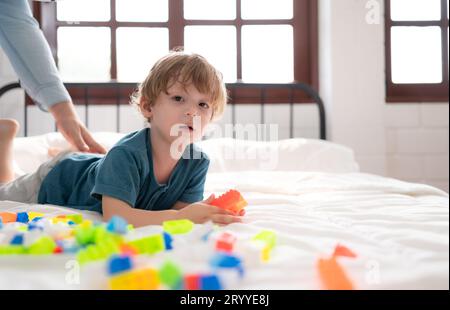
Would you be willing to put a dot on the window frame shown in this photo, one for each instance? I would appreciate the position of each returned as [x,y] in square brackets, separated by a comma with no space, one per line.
[305,32]
[407,93]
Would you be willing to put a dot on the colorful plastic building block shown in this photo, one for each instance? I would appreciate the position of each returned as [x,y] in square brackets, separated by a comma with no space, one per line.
[231,201]
[171,275]
[192,282]
[102,250]
[225,242]
[8,217]
[17,240]
[145,279]
[12,249]
[178,226]
[118,264]
[149,245]
[22,217]
[127,249]
[210,282]
[269,238]
[221,260]
[44,245]
[332,275]
[85,235]
[76,218]
[341,250]
[167,241]
[33,215]
[117,225]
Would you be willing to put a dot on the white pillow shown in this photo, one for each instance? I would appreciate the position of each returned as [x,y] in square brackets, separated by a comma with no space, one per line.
[226,154]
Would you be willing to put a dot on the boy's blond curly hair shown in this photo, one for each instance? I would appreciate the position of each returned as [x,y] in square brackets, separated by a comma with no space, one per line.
[187,69]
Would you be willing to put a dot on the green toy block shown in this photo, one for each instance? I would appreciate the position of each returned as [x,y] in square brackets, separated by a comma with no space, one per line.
[149,245]
[85,235]
[268,237]
[42,246]
[12,249]
[76,218]
[178,226]
[171,275]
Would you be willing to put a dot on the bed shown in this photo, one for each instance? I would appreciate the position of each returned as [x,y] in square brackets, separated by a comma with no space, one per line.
[313,197]
[310,192]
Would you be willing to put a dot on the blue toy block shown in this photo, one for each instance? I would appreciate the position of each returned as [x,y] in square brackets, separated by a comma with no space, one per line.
[17,240]
[117,224]
[167,241]
[36,219]
[1,223]
[22,217]
[34,225]
[119,264]
[222,260]
[210,282]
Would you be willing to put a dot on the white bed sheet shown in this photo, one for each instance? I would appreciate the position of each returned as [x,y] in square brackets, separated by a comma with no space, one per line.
[399,230]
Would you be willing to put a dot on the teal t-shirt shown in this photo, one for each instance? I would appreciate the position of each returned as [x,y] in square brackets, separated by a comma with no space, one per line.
[125,173]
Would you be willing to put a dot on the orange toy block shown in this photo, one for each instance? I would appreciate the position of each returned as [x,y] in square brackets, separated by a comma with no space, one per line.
[341,250]
[231,201]
[8,217]
[332,275]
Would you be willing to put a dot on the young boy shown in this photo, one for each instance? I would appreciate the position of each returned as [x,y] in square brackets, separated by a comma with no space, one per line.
[149,176]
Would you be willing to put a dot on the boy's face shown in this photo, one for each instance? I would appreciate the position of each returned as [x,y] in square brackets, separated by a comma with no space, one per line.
[180,113]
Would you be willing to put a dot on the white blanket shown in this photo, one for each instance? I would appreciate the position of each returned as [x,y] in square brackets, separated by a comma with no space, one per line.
[399,230]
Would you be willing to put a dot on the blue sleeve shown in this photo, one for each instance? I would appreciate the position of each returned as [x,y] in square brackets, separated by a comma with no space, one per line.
[118,176]
[194,191]
[29,54]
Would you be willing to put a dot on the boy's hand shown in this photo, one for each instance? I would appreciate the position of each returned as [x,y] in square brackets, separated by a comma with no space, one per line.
[201,212]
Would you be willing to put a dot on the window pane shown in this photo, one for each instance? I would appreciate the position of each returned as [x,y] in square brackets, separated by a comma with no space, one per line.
[267,54]
[416,55]
[83,10]
[217,44]
[138,49]
[267,9]
[210,9]
[415,9]
[84,54]
[142,10]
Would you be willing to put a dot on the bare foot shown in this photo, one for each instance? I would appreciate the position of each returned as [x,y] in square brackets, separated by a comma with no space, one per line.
[8,129]
[53,151]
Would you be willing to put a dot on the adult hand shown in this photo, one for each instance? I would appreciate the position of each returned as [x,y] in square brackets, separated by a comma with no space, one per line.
[73,129]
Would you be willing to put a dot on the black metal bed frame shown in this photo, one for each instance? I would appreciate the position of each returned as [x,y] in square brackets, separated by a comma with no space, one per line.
[232,87]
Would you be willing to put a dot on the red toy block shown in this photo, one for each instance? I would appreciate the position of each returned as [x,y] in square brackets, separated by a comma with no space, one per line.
[128,249]
[231,201]
[225,242]
[341,250]
[8,217]
[192,282]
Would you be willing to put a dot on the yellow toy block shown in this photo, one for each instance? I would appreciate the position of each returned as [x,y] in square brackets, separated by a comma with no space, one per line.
[144,279]
[33,215]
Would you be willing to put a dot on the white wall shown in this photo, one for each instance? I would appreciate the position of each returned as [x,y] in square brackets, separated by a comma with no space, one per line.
[404,141]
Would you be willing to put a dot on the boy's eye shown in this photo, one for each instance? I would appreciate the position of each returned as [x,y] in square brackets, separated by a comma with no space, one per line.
[178,98]
[204,105]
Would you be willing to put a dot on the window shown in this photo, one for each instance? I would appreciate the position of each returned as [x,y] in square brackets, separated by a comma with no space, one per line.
[417,50]
[252,41]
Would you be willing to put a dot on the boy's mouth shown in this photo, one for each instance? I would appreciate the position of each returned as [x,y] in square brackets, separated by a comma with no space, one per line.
[188,127]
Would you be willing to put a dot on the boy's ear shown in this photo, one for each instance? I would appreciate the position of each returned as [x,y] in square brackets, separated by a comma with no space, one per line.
[146,108]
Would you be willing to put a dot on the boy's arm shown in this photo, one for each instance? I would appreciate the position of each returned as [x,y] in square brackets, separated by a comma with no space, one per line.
[179,205]
[112,206]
